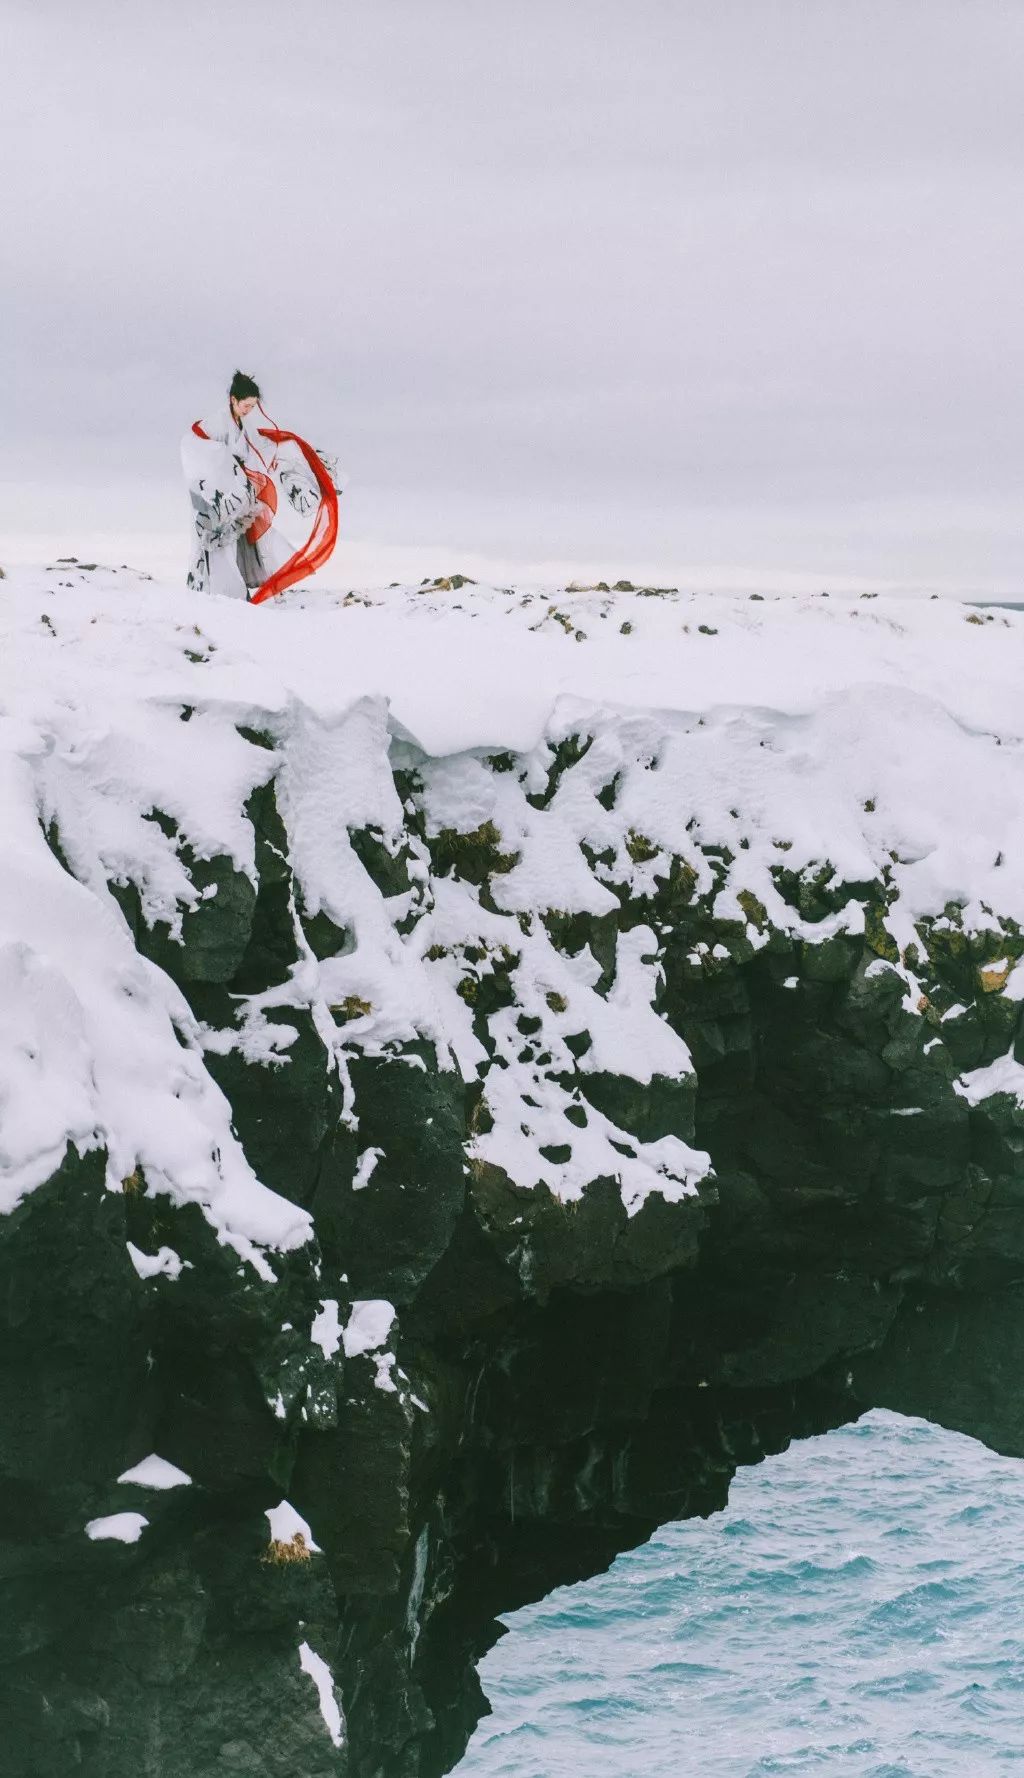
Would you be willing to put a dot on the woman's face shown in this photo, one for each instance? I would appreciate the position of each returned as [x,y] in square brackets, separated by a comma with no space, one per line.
[243,407]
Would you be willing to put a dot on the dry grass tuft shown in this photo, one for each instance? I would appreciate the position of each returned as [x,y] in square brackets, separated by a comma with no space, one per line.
[278,1554]
[352,1007]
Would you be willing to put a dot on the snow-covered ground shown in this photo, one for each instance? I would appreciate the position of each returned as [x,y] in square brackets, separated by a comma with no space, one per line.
[872,733]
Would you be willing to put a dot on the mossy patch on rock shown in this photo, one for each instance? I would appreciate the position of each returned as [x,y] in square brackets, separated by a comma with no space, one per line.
[475,856]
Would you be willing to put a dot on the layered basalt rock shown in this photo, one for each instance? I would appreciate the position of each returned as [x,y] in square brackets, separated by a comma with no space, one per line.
[473,1385]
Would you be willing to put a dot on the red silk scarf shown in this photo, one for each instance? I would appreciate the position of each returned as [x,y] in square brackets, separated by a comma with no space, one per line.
[319,545]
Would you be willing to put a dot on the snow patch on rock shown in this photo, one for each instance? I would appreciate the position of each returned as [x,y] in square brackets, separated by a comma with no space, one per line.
[326,1329]
[156,1472]
[117,1528]
[1004,1075]
[367,1162]
[368,1327]
[322,1677]
[164,1263]
[286,1524]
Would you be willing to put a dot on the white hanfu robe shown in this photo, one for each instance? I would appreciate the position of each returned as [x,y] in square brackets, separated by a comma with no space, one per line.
[225,500]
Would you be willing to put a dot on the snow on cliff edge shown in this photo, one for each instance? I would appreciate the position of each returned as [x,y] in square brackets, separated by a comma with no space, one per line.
[853,730]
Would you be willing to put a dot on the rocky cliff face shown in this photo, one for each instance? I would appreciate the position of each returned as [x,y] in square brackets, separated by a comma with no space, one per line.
[540,1132]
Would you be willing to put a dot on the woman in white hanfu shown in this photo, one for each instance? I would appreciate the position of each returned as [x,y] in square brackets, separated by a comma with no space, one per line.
[233,477]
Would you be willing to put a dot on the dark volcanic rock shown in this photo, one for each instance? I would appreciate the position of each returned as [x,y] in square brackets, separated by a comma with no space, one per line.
[564,1371]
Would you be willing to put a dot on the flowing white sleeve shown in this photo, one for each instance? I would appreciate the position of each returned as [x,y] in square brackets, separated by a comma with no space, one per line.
[223,498]
[297,480]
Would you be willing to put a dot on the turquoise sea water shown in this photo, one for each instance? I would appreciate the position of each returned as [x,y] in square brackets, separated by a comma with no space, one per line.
[857,1610]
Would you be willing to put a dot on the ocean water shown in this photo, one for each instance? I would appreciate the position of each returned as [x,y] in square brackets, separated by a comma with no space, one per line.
[858,1610]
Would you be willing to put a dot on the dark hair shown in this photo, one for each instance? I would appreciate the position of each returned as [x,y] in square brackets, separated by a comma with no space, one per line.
[242,387]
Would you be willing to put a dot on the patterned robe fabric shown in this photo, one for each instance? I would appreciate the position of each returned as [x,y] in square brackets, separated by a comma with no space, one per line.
[224,503]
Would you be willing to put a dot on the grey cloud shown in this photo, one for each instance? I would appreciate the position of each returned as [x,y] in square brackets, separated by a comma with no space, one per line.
[553,278]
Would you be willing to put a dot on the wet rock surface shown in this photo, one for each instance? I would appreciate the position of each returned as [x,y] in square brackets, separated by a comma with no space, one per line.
[562,1371]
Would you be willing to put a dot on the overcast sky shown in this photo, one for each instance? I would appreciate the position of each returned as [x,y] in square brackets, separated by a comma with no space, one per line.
[731,287]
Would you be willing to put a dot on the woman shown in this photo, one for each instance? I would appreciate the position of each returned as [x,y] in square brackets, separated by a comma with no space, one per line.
[233,476]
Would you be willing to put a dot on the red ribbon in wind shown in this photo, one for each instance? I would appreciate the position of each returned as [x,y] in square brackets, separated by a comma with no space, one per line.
[319,545]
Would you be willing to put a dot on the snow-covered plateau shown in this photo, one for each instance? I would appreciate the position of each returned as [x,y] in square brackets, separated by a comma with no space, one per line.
[476,1065]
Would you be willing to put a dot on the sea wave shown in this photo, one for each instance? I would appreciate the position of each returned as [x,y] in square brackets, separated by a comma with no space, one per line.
[855,1610]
